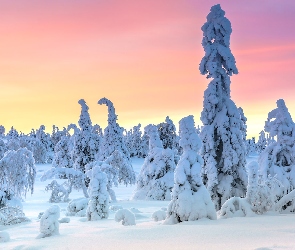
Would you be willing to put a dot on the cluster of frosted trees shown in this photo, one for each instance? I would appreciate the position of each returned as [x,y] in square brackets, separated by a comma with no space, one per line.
[200,171]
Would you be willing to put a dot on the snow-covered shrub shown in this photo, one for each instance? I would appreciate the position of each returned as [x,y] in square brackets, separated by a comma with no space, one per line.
[58,192]
[155,180]
[98,206]
[259,193]
[113,134]
[4,236]
[77,207]
[278,158]
[190,198]
[167,133]
[223,147]
[49,224]
[126,216]
[12,134]
[159,215]
[10,215]
[286,203]
[236,207]
[17,172]
[75,178]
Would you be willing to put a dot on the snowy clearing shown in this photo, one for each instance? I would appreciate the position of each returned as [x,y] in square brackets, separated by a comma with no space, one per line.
[270,231]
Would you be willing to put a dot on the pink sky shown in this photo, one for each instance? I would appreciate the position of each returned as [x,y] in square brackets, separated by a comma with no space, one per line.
[142,55]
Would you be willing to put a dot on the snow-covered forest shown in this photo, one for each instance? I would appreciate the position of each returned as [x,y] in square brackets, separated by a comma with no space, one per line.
[206,186]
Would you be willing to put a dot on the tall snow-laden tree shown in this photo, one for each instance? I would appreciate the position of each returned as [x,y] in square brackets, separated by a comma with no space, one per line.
[85,146]
[279,157]
[223,148]
[155,180]
[190,198]
[113,134]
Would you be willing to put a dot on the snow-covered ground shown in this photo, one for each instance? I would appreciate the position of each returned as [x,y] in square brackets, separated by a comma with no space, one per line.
[271,231]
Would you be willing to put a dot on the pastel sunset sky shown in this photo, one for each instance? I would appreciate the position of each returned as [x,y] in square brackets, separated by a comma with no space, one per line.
[142,55]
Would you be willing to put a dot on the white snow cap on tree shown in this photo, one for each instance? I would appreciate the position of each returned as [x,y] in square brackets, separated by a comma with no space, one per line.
[98,206]
[49,224]
[155,180]
[279,157]
[190,198]
[223,147]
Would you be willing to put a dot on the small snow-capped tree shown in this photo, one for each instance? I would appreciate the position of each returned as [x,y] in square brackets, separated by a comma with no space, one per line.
[259,193]
[111,174]
[261,143]
[145,145]
[279,157]
[155,180]
[98,206]
[49,224]
[85,147]
[136,142]
[62,154]
[12,134]
[223,147]
[113,134]
[17,172]
[39,151]
[125,170]
[126,216]
[244,123]
[167,133]
[190,198]
[45,139]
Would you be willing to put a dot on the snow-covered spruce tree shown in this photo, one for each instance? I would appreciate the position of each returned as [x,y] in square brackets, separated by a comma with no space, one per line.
[136,143]
[167,132]
[145,144]
[111,174]
[62,154]
[17,172]
[2,131]
[113,134]
[12,134]
[98,206]
[261,144]
[3,148]
[279,157]
[190,198]
[155,180]
[223,148]
[47,143]
[85,147]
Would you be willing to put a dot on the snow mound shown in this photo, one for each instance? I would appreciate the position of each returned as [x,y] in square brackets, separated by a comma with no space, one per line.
[4,237]
[49,224]
[126,216]
[115,208]
[159,215]
[64,220]
[77,207]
